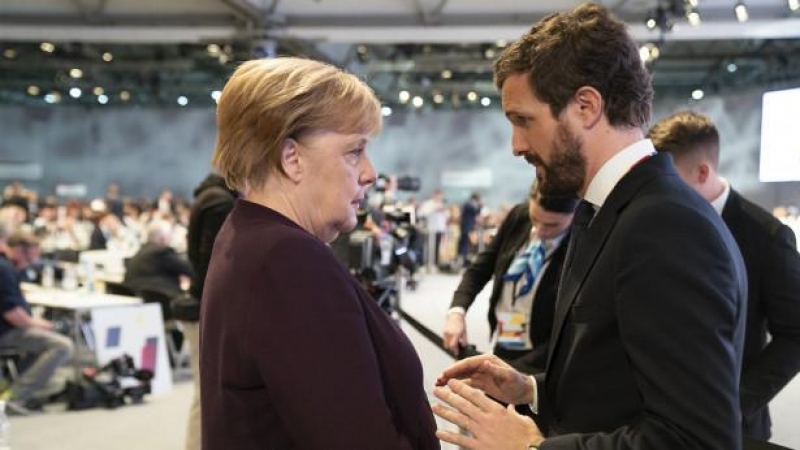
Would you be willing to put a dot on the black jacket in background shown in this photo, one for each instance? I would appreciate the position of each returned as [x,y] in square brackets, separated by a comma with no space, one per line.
[213,201]
[773,305]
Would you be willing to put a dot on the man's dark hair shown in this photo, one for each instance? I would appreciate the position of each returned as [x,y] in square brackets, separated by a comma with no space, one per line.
[686,134]
[587,46]
[563,204]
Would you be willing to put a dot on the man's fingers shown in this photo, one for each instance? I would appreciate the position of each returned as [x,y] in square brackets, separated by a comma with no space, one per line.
[467,442]
[474,401]
[466,407]
[451,415]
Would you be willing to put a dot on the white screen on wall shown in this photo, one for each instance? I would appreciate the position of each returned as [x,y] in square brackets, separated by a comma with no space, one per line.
[780,136]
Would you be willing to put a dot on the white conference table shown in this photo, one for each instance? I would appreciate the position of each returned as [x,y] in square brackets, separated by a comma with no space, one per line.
[111,325]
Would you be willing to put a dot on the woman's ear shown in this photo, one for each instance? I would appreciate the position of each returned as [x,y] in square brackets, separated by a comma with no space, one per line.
[291,161]
[588,103]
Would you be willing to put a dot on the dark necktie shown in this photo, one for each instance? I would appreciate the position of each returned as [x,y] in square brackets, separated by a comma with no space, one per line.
[580,222]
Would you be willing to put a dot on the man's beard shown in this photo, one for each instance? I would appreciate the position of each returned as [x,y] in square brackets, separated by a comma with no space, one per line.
[565,174]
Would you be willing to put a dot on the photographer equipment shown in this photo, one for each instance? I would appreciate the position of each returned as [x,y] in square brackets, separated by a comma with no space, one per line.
[109,386]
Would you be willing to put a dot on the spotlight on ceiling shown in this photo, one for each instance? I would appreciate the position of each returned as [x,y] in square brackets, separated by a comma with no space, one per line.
[215,95]
[486,101]
[694,18]
[102,99]
[52,97]
[108,57]
[438,98]
[472,96]
[741,12]
[698,94]
[404,96]
[98,91]
[47,47]
[386,111]
[10,53]
[124,96]
[213,49]
[76,73]
[732,67]
[649,52]
[33,90]
[75,92]
[447,74]
[182,100]
[794,5]
[501,43]
[417,101]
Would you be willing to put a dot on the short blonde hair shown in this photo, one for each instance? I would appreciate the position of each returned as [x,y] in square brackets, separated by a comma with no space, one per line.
[267,101]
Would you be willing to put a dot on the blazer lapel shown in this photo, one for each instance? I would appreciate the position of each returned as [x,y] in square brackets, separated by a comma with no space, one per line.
[597,234]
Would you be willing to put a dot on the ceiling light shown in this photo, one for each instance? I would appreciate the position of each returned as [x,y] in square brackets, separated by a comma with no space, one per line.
[10,53]
[215,95]
[98,91]
[501,43]
[108,57]
[794,5]
[386,111]
[694,18]
[486,101]
[75,92]
[651,24]
[47,47]
[447,74]
[213,49]
[732,67]
[438,98]
[489,53]
[649,52]
[33,90]
[362,49]
[472,96]
[124,96]
[418,101]
[76,73]
[53,97]
[183,101]
[102,99]
[741,12]
[404,96]
[698,94]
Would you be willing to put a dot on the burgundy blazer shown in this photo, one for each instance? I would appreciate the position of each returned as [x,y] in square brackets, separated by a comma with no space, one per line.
[294,354]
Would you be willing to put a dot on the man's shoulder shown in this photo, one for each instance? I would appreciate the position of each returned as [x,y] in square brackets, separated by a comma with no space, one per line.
[746,213]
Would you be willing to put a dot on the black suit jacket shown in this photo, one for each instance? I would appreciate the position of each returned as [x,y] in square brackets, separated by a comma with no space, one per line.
[649,325]
[493,262]
[773,273]
[156,268]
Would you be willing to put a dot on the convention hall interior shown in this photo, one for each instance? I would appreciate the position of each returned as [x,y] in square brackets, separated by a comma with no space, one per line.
[112,103]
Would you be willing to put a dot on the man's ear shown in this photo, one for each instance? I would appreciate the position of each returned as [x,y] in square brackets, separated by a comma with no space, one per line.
[291,160]
[588,105]
[703,172]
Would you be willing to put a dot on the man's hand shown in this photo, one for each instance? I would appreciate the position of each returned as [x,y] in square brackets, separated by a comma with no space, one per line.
[491,426]
[493,376]
[455,331]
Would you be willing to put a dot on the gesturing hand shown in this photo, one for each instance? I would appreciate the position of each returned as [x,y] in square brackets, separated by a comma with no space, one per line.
[493,376]
[491,426]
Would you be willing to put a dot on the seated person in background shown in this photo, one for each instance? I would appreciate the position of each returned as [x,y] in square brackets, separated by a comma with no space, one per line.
[157,269]
[32,336]
[525,260]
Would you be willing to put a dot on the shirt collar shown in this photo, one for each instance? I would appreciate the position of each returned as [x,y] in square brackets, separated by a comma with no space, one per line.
[614,169]
[719,202]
